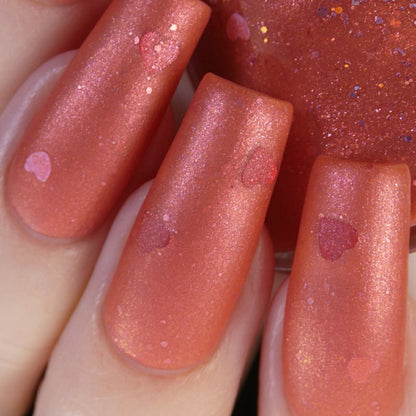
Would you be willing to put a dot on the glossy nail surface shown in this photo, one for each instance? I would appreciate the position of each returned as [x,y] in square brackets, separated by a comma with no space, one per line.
[343,340]
[348,68]
[80,150]
[187,256]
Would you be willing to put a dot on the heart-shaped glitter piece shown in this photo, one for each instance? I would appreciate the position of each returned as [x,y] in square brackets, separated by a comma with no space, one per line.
[335,236]
[260,169]
[39,164]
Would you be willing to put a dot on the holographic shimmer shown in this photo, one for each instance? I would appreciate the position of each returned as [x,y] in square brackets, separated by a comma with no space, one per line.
[192,244]
[101,115]
[344,329]
[348,68]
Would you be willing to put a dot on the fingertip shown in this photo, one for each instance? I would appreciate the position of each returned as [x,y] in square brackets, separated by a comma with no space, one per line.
[271,393]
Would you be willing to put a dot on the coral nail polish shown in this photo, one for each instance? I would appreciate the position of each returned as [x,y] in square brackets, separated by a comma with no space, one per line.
[344,328]
[348,68]
[185,261]
[79,152]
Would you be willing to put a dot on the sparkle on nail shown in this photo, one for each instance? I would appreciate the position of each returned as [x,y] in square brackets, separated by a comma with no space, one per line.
[164,344]
[173,27]
[157,52]
[39,164]
[335,236]
[149,90]
[136,40]
[237,28]
[360,369]
[337,10]
[260,169]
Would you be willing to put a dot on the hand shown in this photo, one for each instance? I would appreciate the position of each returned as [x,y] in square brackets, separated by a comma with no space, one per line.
[43,279]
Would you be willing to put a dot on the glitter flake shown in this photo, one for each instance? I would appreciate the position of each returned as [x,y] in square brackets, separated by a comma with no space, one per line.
[260,169]
[154,234]
[157,52]
[39,164]
[237,28]
[335,236]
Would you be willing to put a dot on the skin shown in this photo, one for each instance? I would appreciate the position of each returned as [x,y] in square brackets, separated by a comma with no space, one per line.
[59,273]
[48,27]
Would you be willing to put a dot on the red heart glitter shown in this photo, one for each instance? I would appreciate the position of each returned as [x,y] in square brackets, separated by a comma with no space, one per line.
[335,236]
[260,169]
[154,234]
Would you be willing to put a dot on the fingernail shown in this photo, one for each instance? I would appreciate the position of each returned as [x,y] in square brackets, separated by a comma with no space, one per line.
[78,153]
[187,256]
[341,108]
[344,328]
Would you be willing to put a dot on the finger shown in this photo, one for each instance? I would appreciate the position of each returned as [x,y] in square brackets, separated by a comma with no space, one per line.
[104,109]
[33,31]
[38,276]
[272,400]
[183,266]
[409,402]
[50,274]
[79,372]
[343,341]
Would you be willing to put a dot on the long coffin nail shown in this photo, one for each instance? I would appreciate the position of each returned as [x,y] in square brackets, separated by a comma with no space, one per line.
[79,152]
[349,102]
[187,256]
[344,329]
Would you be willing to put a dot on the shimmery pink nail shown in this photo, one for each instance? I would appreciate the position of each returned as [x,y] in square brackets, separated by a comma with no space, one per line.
[187,256]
